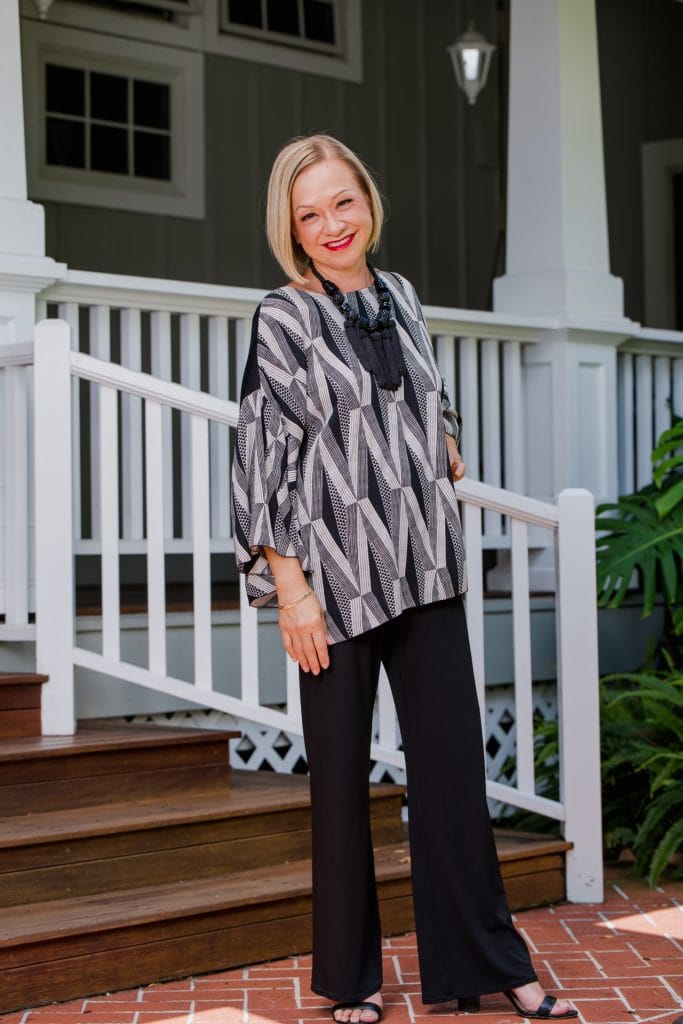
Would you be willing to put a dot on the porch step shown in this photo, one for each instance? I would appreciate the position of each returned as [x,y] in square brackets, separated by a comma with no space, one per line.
[65,949]
[261,821]
[60,950]
[20,703]
[108,764]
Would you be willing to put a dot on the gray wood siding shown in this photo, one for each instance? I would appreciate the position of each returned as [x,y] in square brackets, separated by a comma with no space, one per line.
[641,71]
[435,159]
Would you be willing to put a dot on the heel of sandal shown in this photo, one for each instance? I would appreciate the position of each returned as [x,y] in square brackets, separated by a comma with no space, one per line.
[468,1004]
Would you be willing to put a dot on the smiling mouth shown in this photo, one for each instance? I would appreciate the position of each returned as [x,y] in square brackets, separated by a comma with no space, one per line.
[343,243]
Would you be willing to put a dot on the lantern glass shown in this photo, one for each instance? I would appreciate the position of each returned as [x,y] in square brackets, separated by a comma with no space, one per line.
[471,57]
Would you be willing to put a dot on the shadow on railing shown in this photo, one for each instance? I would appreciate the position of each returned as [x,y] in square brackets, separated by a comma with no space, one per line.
[61,373]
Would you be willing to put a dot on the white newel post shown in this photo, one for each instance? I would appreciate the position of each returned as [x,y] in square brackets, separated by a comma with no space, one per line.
[24,271]
[578,692]
[557,256]
[54,527]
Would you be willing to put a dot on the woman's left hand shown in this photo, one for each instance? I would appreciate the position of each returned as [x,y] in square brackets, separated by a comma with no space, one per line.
[458,467]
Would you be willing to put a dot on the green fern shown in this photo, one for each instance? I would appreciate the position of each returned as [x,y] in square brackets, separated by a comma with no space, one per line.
[667,459]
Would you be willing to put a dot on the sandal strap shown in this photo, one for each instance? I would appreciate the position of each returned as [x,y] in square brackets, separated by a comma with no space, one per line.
[546,1007]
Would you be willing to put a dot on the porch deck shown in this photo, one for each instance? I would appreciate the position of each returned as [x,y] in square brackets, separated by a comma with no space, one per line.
[619,961]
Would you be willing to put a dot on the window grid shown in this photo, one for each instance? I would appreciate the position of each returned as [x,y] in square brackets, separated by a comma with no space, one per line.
[130,127]
[301,40]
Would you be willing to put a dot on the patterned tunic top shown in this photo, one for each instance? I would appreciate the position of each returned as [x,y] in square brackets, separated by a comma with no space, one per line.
[350,478]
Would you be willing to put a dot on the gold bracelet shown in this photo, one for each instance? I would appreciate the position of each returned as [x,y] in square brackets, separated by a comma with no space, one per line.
[301,597]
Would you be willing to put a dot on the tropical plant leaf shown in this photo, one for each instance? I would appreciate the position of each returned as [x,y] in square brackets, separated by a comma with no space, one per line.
[671,496]
[636,541]
[668,845]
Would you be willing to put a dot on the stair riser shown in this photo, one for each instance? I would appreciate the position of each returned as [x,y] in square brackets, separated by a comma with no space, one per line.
[17,722]
[126,958]
[133,860]
[84,790]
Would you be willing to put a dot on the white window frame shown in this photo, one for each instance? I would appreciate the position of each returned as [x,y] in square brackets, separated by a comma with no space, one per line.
[661,160]
[184,31]
[347,66]
[183,70]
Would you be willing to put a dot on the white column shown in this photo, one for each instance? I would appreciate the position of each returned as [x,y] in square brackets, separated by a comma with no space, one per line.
[24,269]
[557,259]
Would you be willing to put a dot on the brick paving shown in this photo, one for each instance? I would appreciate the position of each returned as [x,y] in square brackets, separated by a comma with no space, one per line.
[620,962]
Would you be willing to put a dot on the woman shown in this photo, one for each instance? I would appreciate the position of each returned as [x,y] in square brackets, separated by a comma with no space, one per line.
[346,518]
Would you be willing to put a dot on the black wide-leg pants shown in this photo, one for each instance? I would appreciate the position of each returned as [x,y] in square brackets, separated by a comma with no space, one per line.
[467,943]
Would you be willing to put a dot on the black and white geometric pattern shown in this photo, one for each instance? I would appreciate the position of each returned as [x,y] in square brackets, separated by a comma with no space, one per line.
[350,478]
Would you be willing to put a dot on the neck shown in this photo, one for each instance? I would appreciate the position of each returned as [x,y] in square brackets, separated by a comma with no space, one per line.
[350,280]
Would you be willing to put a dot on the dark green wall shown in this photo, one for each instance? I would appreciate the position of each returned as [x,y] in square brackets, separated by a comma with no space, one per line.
[436,160]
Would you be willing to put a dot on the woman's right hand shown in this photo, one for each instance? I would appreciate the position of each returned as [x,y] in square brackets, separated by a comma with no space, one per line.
[302,622]
[304,634]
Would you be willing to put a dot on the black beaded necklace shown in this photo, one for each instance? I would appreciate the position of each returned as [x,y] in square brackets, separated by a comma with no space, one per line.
[375,342]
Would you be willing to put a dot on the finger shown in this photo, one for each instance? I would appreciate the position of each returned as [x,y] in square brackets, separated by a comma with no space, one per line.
[299,653]
[320,642]
[312,656]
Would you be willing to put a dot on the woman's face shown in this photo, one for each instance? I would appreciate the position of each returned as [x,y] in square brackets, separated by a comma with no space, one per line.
[331,217]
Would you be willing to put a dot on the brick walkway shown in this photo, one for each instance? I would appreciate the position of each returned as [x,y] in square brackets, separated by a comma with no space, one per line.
[619,961]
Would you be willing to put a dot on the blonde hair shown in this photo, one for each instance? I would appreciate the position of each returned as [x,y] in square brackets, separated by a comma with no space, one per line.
[292,159]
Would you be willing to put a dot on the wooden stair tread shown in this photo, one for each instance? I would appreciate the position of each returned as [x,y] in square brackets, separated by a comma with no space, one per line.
[21,678]
[38,922]
[522,845]
[251,792]
[93,738]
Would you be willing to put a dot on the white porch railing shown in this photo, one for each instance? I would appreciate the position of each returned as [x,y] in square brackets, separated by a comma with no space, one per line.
[63,375]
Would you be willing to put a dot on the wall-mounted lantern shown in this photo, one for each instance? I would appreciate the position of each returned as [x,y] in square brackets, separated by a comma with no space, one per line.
[471,56]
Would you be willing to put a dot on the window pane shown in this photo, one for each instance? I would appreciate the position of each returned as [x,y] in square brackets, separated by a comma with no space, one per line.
[108,149]
[245,12]
[65,142]
[152,156]
[64,90]
[319,19]
[283,16]
[151,102]
[108,97]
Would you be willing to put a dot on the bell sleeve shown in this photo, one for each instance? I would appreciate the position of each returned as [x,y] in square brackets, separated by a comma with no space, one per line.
[265,467]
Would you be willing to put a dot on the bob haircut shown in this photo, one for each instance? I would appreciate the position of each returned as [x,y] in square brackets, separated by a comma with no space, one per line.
[292,159]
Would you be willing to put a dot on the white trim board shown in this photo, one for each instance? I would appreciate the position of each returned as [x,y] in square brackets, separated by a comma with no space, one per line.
[348,67]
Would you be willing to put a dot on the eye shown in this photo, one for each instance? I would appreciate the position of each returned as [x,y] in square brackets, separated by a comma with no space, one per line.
[343,202]
[307,216]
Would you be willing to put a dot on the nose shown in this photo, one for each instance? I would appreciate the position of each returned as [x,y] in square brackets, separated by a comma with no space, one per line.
[333,223]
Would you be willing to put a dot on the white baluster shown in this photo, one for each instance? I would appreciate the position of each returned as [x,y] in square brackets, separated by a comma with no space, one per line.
[469,405]
[201,554]
[677,386]
[131,430]
[475,602]
[161,366]
[662,382]
[54,526]
[156,565]
[513,417]
[626,421]
[249,659]
[386,713]
[644,427]
[521,635]
[100,348]
[578,686]
[490,424]
[444,349]
[16,494]
[293,692]
[190,377]
[69,311]
[109,518]
[219,384]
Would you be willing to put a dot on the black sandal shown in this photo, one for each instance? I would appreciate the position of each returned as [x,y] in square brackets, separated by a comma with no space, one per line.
[359,1006]
[542,1012]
